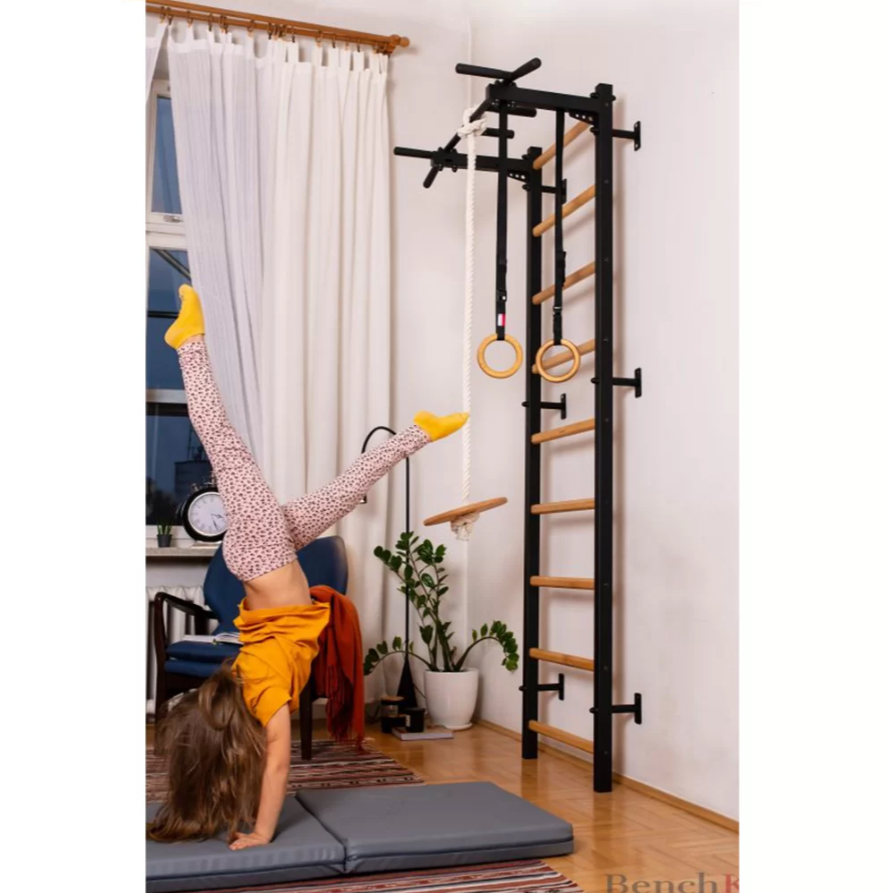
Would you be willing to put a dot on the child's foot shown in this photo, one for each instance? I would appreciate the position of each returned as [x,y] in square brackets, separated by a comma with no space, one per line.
[437,426]
[190,322]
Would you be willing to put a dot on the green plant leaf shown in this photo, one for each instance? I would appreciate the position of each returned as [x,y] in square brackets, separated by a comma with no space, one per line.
[397,644]
[382,649]
[474,635]
[426,632]
[484,629]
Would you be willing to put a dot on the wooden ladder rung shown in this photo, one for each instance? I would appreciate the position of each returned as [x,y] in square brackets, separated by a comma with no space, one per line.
[575,277]
[569,137]
[568,505]
[566,660]
[560,735]
[568,208]
[563,582]
[565,356]
[564,431]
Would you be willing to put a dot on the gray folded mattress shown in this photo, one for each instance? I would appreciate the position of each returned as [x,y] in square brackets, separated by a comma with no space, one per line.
[301,850]
[390,829]
[358,830]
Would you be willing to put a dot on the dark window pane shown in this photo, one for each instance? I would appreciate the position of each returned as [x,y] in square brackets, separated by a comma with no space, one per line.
[175,462]
[165,186]
[166,275]
[165,278]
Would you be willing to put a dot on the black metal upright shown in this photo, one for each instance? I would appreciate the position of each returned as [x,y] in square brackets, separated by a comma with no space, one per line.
[604,436]
[532,473]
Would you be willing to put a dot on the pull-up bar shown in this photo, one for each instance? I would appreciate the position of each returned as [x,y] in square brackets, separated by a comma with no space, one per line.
[501,77]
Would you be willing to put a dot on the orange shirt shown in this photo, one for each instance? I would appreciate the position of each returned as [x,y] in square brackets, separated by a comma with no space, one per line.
[278,646]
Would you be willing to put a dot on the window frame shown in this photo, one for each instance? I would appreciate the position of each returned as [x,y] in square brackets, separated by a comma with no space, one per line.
[162,231]
[157,221]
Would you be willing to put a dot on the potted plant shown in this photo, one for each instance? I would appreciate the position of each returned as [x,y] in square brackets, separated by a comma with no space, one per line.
[164,533]
[450,686]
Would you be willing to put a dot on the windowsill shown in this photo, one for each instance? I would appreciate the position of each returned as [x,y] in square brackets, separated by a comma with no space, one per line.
[196,550]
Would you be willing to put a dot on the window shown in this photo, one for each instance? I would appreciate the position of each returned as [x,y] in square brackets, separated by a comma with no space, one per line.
[165,196]
[175,459]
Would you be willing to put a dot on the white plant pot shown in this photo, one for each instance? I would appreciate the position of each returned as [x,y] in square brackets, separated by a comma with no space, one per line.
[451,698]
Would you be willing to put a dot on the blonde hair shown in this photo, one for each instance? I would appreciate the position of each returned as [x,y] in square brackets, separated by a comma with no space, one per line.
[215,750]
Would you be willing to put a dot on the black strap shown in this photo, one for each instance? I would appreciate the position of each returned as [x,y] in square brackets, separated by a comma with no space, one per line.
[559,229]
[502,224]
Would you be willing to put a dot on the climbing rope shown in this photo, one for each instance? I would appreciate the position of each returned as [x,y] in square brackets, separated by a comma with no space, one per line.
[469,130]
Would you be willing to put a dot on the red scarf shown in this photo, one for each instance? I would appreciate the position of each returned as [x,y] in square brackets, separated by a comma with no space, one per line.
[338,670]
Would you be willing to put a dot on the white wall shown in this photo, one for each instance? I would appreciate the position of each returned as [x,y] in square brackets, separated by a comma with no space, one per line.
[674,66]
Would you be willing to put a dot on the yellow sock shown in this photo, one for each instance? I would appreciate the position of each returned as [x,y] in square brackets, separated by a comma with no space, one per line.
[437,426]
[190,321]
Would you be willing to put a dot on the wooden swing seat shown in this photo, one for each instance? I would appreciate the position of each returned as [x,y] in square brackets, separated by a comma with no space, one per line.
[462,510]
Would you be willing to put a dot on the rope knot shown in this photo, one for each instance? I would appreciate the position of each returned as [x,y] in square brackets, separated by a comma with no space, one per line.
[463,526]
[471,127]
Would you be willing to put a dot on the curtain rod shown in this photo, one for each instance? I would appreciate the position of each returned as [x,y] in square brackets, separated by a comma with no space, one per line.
[227,18]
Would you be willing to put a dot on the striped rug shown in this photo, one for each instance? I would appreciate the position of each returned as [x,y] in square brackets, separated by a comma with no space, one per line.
[333,766]
[529,876]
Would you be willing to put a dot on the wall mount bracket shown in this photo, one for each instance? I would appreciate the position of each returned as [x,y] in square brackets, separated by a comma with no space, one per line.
[634,382]
[635,134]
[560,405]
[549,686]
[635,708]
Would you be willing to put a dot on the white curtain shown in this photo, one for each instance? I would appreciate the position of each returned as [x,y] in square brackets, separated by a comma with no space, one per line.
[215,107]
[283,164]
[153,48]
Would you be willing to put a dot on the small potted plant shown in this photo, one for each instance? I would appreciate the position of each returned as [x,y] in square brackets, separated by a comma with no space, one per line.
[164,533]
[450,686]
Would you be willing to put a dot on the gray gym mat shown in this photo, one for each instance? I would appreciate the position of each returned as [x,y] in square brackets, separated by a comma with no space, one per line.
[431,826]
[301,850]
[326,833]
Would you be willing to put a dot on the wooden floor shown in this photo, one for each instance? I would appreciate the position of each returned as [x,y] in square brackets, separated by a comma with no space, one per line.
[621,833]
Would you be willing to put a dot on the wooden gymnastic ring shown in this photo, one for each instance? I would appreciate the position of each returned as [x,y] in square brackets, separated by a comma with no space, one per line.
[575,361]
[495,373]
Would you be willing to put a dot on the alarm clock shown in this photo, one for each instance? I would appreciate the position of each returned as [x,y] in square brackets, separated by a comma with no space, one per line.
[204,517]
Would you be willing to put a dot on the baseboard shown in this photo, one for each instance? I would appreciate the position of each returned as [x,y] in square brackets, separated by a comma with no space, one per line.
[656,793]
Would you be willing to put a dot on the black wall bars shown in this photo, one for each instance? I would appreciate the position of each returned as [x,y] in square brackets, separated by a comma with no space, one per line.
[506,98]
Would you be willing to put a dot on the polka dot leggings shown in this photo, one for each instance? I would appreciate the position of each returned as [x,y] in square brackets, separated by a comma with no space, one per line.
[262,535]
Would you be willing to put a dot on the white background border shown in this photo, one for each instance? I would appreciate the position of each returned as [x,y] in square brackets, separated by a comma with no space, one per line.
[816,496]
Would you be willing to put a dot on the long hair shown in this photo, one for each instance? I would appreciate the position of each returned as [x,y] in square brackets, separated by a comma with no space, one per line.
[216,751]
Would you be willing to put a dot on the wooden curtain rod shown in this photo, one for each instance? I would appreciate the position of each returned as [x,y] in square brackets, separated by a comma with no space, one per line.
[227,18]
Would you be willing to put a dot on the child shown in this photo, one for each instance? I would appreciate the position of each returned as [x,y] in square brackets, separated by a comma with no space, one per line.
[229,742]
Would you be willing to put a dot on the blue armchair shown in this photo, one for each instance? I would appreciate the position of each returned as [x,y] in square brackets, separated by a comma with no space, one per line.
[182,666]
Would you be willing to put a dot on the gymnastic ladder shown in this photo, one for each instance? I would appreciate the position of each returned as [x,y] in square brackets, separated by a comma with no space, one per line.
[598,117]
[593,113]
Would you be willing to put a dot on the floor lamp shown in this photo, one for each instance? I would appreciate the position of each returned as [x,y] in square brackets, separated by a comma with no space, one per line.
[406,689]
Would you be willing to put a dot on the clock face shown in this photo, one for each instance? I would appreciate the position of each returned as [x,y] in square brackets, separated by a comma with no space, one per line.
[206,514]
